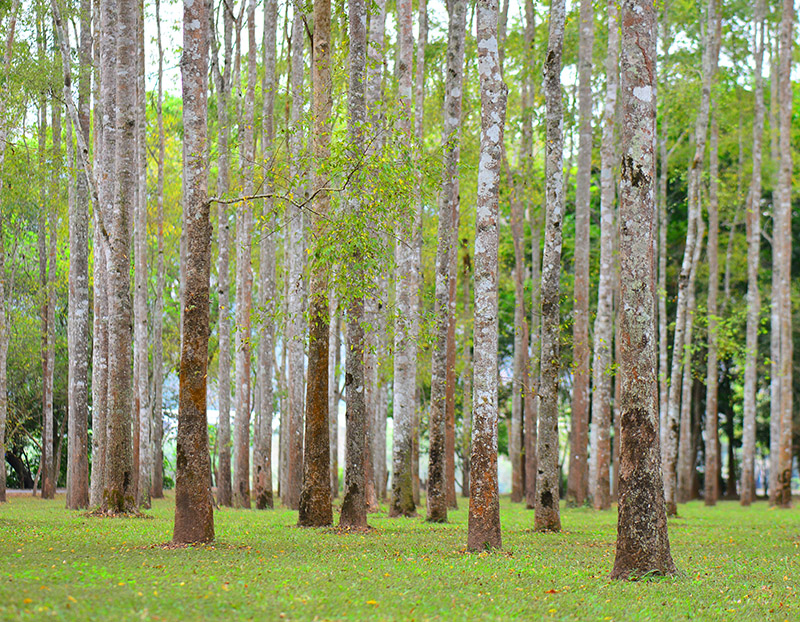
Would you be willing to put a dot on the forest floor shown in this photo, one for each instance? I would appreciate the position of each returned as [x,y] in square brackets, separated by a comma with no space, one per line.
[735,564]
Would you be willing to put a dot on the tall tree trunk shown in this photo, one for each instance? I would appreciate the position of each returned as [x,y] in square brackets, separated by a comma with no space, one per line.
[41,246]
[681,346]
[315,497]
[294,327]
[334,344]
[578,474]
[266,345]
[466,380]
[194,517]
[782,236]
[483,530]
[548,479]
[600,483]
[118,495]
[642,540]
[712,377]
[358,460]
[141,275]
[447,249]
[753,226]
[244,280]
[157,488]
[405,341]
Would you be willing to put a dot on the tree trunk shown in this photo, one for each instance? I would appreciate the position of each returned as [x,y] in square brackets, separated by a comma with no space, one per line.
[783,238]
[642,540]
[315,497]
[547,483]
[267,288]
[437,501]
[663,333]
[753,226]
[600,483]
[681,346]
[578,475]
[334,344]
[466,381]
[483,530]
[405,341]
[157,488]
[194,517]
[294,327]
[357,457]
[118,495]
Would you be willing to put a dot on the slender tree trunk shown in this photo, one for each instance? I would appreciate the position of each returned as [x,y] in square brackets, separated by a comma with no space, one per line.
[483,530]
[447,249]
[157,488]
[194,517]
[315,497]
[334,344]
[118,495]
[578,474]
[681,346]
[600,483]
[466,381]
[753,225]
[712,376]
[548,479]
[642,540]
[357,457]
[244,281]
[294,328]
[784,232]
[141,275]
[405,341]
[267,288]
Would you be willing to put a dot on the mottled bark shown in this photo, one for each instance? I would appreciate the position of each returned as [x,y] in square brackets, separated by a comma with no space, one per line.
[194,518]
[357,458]
[315,497]
[783,239]
[262,454]
[577,483]
[483,530]
[681,346]
[642,540]
[447,252]
[157,488]
[118,494]
[753,227]
[547,481]
[466,379]
[602,371]
[294,326]
[334,343]
[406,327]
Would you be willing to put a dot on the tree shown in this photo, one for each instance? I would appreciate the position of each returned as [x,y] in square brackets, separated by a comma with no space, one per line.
[753,226]
[357,458]
[447,249]
[547,483]
[315,497]
[483,530]
[194,517]
[599,483]
[406,327]
[642,540]
[578,475]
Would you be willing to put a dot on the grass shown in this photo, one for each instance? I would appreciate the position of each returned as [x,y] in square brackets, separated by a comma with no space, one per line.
[736,564]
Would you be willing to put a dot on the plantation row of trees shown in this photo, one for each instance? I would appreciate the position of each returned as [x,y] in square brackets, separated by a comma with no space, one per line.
[310,196]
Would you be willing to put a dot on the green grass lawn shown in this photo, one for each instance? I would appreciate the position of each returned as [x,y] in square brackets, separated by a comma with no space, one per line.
[736,564]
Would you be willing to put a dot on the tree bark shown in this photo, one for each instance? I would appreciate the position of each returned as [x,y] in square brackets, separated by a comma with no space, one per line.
[577,482]
[753,226]
[600,483]
[405,341]
[466,380]
[315,497]
[334,344]
[642,540]
[294,327]
[437,501]
[483,530]
[547,517]
[194,517]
